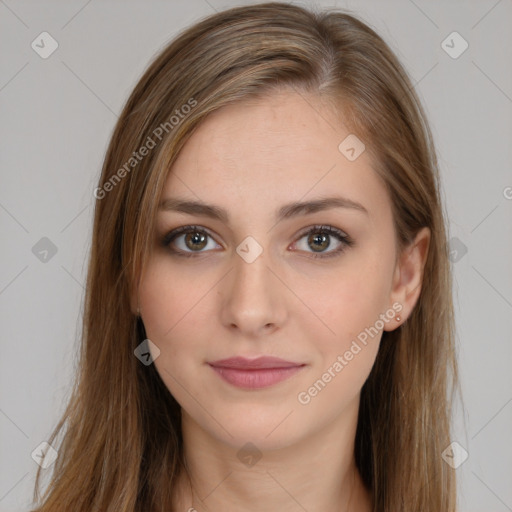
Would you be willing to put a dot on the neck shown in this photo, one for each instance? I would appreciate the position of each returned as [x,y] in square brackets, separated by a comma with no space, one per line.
[317,474]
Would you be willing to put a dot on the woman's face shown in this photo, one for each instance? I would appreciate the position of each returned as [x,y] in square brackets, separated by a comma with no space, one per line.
[263,280]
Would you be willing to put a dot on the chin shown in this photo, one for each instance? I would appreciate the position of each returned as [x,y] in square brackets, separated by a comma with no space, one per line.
[266,429]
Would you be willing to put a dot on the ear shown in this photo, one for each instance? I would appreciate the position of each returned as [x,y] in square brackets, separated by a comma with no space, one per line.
[408,276]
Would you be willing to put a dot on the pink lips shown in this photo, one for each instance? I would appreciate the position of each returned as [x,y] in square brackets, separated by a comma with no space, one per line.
[255,373]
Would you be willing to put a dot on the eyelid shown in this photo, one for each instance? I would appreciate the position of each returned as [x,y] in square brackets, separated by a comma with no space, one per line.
[321,227]
[175,233]
[344,239]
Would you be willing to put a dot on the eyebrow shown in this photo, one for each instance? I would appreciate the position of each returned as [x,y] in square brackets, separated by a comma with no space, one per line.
[285,212]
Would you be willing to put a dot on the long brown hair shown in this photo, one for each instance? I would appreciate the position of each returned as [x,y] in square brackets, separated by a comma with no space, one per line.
[122,445]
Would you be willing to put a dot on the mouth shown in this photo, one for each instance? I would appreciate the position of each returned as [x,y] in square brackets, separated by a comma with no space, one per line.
[257,373]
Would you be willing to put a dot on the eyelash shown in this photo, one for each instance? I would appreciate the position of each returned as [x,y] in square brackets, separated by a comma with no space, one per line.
[346,241]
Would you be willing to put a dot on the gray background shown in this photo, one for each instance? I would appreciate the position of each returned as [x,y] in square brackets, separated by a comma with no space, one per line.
[58,114]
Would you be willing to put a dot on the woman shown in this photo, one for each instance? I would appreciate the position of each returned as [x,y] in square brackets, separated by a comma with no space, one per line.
[268,322]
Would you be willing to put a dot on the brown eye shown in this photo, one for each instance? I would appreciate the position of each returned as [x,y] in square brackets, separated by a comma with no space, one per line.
[319,239]
[319,242]
[195,240]
[188,241]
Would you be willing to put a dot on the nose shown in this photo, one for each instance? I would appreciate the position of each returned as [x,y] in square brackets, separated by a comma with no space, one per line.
[253,298]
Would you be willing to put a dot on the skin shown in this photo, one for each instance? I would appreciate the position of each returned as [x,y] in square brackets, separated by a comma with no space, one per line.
[251,158]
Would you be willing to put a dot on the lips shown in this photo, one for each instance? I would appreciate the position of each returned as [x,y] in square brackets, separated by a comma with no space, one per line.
[242,363]
[256,373]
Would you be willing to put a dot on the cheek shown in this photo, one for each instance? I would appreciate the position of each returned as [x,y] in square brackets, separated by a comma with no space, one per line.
[349,302]
[349,298]
[174,312]
[347,345]
[167,297]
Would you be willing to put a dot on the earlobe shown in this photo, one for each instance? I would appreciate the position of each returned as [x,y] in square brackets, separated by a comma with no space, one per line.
[408,275]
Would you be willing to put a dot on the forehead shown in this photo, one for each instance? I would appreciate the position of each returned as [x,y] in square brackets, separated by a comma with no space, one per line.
[269,151]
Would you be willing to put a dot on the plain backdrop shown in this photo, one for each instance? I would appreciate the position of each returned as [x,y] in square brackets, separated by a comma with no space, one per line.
[58,112]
